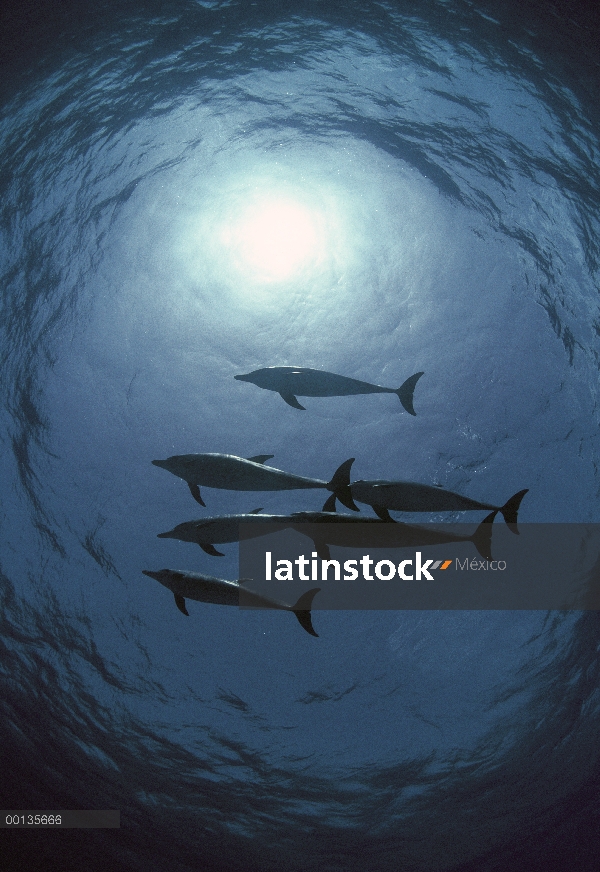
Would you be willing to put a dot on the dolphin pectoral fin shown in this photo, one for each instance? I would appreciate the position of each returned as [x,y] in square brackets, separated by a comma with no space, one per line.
[322,549]
[210,549]
[329,504]
[302,610]
[482,537]
[291,401]
[195,492]
[383,514]
[510,510]
[406,390]
[340,485]
[261,458]
[180,603]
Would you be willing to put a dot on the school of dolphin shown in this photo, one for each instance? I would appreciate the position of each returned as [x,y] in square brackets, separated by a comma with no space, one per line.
[327,527]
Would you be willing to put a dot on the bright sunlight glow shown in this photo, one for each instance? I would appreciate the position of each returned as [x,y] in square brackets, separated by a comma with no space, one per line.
[274,239]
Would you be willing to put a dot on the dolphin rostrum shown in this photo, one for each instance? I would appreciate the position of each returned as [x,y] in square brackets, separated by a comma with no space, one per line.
[409,496]
[325,529]
[292,381]
[207,589]
[238,473]
[208,532]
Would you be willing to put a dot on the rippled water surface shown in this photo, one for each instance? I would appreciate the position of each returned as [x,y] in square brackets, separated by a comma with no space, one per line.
[197,190]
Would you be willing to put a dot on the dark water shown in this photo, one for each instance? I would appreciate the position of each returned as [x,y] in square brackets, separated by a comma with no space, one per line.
[437,163]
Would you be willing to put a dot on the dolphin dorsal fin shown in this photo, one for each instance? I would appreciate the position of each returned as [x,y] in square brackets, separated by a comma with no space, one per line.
[260,458]
[291,401]
[180,603]
[255,511]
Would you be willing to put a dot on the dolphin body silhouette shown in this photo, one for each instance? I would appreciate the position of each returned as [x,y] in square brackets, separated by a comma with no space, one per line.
[325,529]
[229,472]
[221,591]
[409,496]
[348,531]
[292,381]
[221,530]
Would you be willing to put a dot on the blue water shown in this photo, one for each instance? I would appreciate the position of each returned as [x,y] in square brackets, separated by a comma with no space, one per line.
[439,161]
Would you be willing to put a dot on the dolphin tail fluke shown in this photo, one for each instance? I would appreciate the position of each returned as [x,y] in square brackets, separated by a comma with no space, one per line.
[180,603]
[405,392]
[344,495]
[329,504]
[195,492]
[482,537]
[510,510]
[340,485]
[302,610]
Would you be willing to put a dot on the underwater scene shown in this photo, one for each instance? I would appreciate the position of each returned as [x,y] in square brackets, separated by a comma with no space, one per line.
[268,265]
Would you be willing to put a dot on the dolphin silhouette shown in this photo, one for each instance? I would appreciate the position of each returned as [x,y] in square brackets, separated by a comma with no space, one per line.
[349,531]
[229,472]
[207,589]
[292,381]
[221,530]
[409,496]
[325,529]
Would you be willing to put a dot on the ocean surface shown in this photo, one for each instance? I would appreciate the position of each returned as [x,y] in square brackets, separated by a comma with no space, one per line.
[194,190]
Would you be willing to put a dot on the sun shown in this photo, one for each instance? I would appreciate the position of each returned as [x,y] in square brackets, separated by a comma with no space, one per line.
[274,239]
